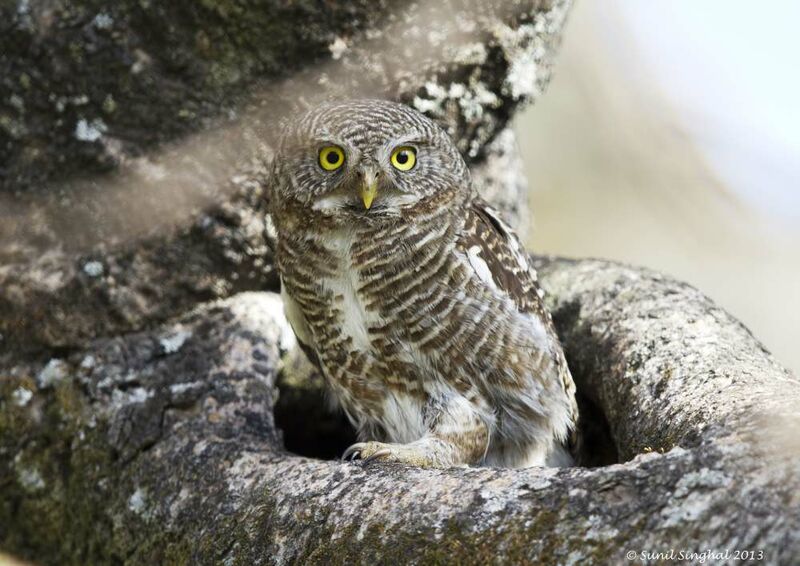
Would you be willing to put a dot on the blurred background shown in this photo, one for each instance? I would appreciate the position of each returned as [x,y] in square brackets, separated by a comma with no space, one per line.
[670,138]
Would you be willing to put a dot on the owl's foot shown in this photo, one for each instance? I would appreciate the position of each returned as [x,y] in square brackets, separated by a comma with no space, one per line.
[403,453]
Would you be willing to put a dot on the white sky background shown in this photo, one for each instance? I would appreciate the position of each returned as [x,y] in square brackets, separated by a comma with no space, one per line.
[731,69]
[670,138]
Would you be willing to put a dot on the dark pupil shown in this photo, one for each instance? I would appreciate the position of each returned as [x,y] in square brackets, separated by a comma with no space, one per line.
[332,157]
[402,157]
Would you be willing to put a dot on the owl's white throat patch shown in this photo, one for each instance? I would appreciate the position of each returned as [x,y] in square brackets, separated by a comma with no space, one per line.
[356,318]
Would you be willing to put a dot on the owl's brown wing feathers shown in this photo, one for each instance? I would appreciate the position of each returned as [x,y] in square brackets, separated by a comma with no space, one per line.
[296,319]
[486,236]
[499,247]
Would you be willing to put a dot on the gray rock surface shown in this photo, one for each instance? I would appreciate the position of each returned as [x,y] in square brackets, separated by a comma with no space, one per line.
[162,447]
[152,407]
[501,180]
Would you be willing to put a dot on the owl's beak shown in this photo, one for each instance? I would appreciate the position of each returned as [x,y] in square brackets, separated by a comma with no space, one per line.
[369,186]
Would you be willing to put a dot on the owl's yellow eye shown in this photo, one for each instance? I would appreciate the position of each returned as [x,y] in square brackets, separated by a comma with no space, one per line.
[404,158]
[331,157]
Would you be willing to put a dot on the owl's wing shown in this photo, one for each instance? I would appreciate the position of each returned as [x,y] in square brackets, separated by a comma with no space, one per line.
[497,256]
[298,323]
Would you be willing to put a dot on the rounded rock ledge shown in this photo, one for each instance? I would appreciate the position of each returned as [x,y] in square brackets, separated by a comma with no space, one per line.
[162,447]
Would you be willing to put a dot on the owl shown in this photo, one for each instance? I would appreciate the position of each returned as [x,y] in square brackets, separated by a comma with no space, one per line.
[413,297]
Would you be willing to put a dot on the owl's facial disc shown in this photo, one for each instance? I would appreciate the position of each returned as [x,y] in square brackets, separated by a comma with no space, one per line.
[367,161]
[367,179]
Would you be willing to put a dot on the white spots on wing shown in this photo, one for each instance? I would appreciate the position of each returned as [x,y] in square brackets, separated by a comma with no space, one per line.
[480,267]
[523,262]
[520,256]
[513,242]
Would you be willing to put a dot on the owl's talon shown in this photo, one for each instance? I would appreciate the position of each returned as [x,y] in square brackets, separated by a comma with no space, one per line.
[371,451]
[354,452]
[382,453]
[368,452]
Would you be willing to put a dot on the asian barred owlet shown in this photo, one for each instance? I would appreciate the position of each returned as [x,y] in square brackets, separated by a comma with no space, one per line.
[415,300]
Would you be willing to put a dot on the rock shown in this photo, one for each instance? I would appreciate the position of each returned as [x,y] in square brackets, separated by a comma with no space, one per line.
[139,430]
[501,180]
[151,454]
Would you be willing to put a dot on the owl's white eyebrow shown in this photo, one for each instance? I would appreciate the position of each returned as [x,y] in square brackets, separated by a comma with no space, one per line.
[391,145]
[412,138]
[325,140]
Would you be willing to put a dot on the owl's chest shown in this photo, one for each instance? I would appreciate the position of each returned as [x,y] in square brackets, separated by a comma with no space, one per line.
[364,304]
[355,310]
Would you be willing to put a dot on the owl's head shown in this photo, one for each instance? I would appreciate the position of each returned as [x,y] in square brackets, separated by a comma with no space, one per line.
[367,160]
